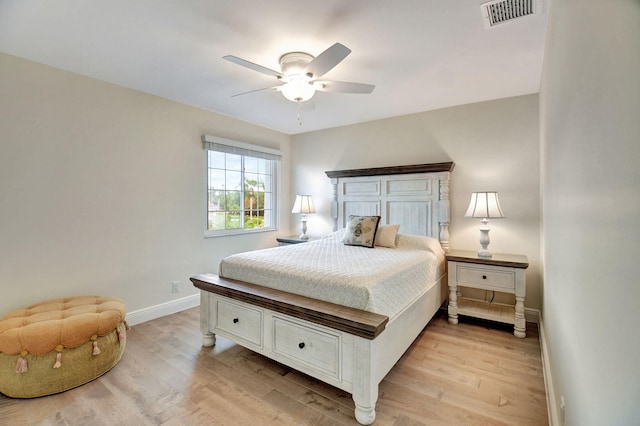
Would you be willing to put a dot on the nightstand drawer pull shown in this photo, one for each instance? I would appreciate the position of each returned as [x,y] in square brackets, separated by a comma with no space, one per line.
[301,345]
[484,277]
[235,320]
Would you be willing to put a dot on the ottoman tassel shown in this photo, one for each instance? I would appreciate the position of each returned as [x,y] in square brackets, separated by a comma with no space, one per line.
[121,332]
[96,349]
[58,363]
[21,365]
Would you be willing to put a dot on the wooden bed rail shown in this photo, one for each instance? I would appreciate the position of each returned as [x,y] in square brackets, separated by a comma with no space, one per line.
[350,320]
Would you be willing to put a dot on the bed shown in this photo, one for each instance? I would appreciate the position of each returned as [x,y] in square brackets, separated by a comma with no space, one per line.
[342,314]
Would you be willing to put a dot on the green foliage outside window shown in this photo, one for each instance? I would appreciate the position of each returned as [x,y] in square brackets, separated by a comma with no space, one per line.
[232,205]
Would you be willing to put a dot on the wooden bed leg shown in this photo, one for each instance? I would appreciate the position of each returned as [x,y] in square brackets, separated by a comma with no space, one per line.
[208,338]
[365,416]
[365,387]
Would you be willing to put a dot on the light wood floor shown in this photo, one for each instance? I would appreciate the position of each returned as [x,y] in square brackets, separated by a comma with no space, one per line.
[465,374]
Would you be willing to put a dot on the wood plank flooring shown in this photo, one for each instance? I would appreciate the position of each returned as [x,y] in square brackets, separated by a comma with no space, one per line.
[465,374]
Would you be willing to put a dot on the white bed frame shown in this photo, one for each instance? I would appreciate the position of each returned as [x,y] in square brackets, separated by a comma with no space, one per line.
[350,349]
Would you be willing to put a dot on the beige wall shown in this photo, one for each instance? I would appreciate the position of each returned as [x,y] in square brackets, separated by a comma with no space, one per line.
[103,192]
[494,146]
[102,189]
[590,141]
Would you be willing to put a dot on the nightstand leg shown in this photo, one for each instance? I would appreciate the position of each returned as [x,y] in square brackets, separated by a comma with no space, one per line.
[520,327]
[453,305]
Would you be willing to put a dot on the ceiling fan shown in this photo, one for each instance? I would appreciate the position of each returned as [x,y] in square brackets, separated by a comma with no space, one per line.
[301,71]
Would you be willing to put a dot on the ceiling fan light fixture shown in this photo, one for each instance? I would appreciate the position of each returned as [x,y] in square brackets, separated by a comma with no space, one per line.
[301,71]
[298,89]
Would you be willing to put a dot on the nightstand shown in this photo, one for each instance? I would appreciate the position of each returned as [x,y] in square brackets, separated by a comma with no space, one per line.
[501,273]
[293,239]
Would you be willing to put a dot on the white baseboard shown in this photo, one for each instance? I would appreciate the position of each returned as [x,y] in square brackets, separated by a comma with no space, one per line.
[163,309]
[554,419]
[532,315]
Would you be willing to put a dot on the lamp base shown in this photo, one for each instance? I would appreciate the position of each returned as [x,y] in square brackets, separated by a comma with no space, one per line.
[484,239]
[303,228]
[484,253]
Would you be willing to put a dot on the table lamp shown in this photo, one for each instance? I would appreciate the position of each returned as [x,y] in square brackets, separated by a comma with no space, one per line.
[304,205]
[484,205]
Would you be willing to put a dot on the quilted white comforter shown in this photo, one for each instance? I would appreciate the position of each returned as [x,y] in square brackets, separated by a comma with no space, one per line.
[381,280]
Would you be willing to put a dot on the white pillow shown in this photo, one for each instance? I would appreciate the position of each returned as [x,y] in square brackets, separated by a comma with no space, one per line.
[386,235]
[420,242]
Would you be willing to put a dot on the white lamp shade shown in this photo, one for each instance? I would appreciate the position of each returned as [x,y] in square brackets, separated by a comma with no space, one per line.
[303,204]
[484,205]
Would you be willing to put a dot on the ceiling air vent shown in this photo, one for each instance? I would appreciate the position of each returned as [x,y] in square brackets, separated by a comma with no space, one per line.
[501,11]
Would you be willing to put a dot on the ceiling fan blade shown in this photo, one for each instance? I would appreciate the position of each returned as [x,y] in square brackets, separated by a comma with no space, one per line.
[343,87]
[257,90]
[252,66]
[328,59]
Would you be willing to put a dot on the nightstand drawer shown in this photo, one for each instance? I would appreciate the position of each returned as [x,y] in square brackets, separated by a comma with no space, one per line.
[486,277]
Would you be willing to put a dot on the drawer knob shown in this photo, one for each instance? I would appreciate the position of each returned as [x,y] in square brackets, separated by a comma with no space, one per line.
[235,320]
[301,345]
[484,277]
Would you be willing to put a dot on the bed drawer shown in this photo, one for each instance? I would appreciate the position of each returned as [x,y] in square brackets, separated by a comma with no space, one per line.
[309,346]
[486,277]
[240,321]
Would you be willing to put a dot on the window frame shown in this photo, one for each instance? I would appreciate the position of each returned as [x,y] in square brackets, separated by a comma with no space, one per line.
[245,150]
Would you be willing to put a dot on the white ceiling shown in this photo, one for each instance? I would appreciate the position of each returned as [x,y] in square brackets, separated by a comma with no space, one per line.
[420,54]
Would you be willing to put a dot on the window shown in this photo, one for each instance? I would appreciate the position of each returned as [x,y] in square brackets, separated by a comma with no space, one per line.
[241,187]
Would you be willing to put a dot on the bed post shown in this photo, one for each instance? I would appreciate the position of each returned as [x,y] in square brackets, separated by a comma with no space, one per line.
[334,203]
[208,338]
[365,385]
[443,211]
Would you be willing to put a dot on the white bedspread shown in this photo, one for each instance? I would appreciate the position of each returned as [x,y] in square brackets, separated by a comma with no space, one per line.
[381,280]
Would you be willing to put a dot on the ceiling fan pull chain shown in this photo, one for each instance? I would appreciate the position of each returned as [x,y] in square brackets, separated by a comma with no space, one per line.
[300,113]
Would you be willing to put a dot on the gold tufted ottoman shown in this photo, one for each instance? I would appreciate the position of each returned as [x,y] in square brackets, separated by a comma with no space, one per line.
[60,344]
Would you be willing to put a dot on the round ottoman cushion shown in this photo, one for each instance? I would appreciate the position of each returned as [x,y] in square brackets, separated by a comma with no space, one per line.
[59,344]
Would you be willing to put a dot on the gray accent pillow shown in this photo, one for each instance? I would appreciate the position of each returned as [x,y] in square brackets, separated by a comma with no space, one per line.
[361,231]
